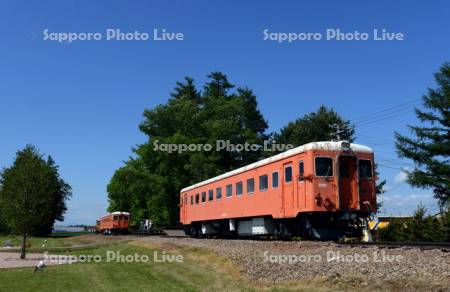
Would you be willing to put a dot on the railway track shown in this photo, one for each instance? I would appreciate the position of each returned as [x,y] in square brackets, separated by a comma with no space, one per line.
[443,246]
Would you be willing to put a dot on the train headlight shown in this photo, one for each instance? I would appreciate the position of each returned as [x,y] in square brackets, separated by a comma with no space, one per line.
[345,145]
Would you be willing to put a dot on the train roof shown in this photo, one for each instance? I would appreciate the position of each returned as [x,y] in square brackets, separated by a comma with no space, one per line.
[323,145]
[116,213]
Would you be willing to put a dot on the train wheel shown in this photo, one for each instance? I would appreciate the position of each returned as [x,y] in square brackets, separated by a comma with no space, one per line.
[194,232]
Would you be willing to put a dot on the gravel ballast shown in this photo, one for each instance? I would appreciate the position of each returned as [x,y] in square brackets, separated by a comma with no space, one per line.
[281,261]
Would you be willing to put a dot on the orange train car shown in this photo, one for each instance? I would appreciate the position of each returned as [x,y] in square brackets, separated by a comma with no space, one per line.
[114,223]
[319,190]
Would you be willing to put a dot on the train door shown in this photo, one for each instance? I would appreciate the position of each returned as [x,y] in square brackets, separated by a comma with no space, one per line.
[366,186]
[288,190]
[301,185]
[348,190]
[183,206]
[186,206]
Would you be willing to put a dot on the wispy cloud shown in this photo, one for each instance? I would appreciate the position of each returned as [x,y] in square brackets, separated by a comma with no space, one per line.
[405,203]
[401,177]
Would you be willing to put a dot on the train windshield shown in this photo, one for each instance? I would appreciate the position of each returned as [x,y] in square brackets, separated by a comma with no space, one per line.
[365,169]
[324,166]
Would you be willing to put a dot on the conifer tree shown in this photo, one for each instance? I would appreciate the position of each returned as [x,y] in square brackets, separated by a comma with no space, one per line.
[429,148]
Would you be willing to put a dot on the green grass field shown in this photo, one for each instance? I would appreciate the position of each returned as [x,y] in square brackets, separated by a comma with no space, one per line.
[199,271]
[113,276]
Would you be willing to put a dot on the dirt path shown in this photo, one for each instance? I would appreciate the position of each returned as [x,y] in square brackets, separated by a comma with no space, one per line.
[12,260]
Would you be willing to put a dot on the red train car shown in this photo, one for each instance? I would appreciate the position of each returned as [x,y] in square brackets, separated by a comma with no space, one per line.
[318,190]
[114,223]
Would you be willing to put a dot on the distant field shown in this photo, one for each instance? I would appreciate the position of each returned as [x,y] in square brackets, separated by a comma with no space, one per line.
[33,241]
[63,240]
[69,234]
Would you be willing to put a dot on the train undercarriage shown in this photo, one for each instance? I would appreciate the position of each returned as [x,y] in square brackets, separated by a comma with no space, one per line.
[312,225]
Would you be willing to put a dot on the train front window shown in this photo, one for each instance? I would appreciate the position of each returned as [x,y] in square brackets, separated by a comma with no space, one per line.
[301,170]
[116,218]
[324,166]
[344,169]
[365,169]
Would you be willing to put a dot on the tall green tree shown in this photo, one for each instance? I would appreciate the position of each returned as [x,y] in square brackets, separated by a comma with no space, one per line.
[59,192]
[321,125]
[3,226]
[429,148]
[32,194]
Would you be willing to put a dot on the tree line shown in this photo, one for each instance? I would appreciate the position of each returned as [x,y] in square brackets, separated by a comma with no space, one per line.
[148,183]
[419,227]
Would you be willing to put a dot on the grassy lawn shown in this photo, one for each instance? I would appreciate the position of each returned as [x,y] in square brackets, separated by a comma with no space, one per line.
[198,271]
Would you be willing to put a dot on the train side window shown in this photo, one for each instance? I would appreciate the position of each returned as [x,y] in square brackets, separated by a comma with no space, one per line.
[239,188]
[218,193]
[250,185]
[229,190]
[301,170]
[192,200]
[210,195]
[203,197]
[263,182]
[197,198]
[324,166]
[365,169]
[288,174]
[185,200]
[275,179]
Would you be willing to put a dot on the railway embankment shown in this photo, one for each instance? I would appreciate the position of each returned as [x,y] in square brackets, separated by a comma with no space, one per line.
[279,262]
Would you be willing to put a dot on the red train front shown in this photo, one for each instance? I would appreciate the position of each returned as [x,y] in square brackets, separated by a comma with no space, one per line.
[320,190]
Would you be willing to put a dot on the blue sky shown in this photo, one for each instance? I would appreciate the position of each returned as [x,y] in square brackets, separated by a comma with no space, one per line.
[81,102]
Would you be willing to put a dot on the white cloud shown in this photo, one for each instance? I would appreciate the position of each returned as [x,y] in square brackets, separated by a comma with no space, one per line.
[401,177]
[405,202]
